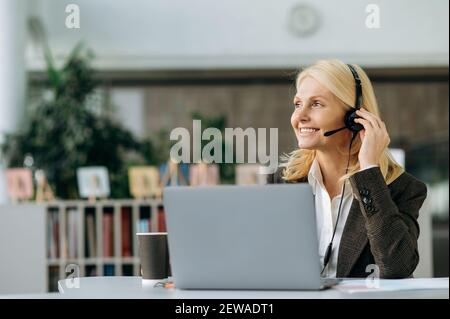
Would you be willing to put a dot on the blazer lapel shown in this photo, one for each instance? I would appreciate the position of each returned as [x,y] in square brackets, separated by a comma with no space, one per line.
[353,241]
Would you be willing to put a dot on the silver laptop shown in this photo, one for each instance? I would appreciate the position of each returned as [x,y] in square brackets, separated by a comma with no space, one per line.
[243,237]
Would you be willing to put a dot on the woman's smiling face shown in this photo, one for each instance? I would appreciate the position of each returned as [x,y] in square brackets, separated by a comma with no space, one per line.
[317,110]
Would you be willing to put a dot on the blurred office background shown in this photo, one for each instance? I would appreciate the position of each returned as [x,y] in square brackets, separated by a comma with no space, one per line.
[158,61]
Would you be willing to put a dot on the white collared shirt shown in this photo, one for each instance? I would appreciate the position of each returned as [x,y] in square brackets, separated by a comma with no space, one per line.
[326,214]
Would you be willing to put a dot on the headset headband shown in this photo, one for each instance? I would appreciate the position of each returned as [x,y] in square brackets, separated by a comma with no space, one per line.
[358,89]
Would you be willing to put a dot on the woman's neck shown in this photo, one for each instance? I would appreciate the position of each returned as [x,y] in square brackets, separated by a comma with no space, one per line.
[332,166]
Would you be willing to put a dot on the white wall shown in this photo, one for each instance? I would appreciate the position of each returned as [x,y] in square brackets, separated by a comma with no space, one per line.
[129,107]
[162,34]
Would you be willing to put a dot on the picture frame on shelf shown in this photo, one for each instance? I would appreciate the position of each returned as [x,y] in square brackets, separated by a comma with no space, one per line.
[93,182]
[144,181]
[19,183]
[44,191]
[202,174]
[250,174]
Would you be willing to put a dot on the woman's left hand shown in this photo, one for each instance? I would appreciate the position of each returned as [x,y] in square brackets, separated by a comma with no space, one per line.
[374,137]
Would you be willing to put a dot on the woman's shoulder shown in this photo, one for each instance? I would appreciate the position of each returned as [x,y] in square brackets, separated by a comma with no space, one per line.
[408,183]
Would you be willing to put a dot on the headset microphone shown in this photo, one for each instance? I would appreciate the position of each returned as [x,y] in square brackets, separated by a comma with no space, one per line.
[329,133]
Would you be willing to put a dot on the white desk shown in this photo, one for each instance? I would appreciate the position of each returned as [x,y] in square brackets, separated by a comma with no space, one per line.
[136,288]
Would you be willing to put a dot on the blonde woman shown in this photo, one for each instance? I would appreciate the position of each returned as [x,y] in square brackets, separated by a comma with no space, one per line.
[372,228]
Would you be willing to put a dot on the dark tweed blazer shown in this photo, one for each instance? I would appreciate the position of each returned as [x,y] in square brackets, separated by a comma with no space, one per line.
[381,227]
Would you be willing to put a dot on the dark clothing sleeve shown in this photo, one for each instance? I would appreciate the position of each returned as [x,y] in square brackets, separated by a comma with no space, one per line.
[390,219]
[389,215]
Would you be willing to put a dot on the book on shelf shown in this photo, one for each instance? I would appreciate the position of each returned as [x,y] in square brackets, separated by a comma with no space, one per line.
[90,232]
[144,225]
[161,219]
[126,231]
[53,234]
[108,270]
[108,239]
[127,270]
[90,270]
[50,248]
[72,229]
[53,277]
[75,215]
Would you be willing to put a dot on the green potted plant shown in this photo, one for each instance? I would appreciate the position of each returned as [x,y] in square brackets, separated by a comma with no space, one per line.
[62,134]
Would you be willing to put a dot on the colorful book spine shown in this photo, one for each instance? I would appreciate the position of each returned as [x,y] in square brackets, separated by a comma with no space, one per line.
[53,235]
[72,233]
[108,240]
[126,232]
[91,242]
[161,220]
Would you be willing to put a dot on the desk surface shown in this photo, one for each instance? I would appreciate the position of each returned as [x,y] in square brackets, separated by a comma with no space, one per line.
[135,287]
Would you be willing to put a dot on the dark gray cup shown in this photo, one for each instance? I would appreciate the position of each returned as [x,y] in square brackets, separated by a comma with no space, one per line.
[154,255]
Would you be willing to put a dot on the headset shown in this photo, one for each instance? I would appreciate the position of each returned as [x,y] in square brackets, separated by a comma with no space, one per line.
[350,116]
[349,123]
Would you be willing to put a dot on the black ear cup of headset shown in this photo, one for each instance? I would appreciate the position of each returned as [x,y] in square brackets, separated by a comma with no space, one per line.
[349,121]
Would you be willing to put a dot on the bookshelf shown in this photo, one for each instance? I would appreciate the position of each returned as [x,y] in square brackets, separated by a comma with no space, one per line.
[96,238]
[27,267]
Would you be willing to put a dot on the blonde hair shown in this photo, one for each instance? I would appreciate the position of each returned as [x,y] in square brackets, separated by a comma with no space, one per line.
[337,77]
